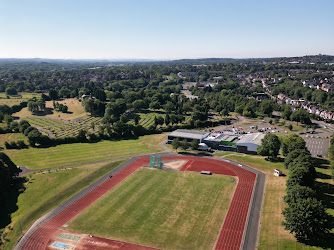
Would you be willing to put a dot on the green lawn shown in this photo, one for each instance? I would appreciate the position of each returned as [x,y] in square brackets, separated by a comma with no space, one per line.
[46,190]
[273,235]
[164,209]
[38,158]
[15,100]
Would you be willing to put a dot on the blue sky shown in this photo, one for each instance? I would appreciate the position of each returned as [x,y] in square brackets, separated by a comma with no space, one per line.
[165,29]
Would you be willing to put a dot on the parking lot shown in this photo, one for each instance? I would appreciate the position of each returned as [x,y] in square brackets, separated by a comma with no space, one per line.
[317,146]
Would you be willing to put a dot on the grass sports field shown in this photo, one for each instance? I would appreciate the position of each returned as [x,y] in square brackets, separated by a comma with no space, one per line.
[273,235]
[38,158]
[164,209]
[58,186]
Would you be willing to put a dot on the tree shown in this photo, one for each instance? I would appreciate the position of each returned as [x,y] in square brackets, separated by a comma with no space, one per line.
[136,120]
[8,174]
[34,137]
[155,105]
[82,135]
[176,143]
[194,144]
[11,91]
[287,112]
[64,109]
[298,192]
[267,107]
[293,155]
[301,116]
[300,176]
[225,113]
[169,106]
[173,119]
[185,144]
[139,105]
[7,119]
[270,146]
[306,218]
[53,94]
[304,162]
[292,142]
[167,119]
[160,120]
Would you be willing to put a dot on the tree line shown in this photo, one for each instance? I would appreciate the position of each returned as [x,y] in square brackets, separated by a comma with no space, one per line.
[305,216]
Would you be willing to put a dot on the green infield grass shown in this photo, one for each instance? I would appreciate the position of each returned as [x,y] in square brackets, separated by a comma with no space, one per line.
[66,154]
[164,209]
[48,189]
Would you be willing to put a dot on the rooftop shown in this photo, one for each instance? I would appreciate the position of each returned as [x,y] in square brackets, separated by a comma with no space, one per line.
[251,138]
[221,137]
[198,135]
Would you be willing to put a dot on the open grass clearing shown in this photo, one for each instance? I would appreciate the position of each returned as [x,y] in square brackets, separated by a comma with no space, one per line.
[272,234]
[46,190]
[164,209]
[15,100]
[75,110]
[66,154]
[12,137]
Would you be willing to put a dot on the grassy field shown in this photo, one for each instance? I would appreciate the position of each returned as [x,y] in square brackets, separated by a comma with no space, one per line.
[273,235]
[38,158]
[12,137]
[15,100]
[163,209]
[75,110]
[58,186]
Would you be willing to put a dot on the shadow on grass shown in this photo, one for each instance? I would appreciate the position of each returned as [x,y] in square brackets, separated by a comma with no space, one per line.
[325,192]
[321,163]
[9,206]
[325,242]
[323,176]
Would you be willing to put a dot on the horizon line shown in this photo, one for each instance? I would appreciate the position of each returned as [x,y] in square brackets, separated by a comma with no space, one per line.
[153,59]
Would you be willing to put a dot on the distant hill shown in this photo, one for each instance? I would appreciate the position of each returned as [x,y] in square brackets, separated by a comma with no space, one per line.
[44,64]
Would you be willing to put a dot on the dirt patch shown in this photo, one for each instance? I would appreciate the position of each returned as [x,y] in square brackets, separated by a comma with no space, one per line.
[173,165]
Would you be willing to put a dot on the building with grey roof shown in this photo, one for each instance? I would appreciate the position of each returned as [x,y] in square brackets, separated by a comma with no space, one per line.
[226,141]
[248,143]
[189,135]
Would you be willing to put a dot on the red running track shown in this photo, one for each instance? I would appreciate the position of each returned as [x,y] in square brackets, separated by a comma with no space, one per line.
[232,231]
[235,221]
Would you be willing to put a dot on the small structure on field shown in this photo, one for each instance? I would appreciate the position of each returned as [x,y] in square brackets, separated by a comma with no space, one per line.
[277,172]
[155,161]
[206,172]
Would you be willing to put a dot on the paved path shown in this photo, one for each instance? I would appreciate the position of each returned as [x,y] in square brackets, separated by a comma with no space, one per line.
[235,232]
